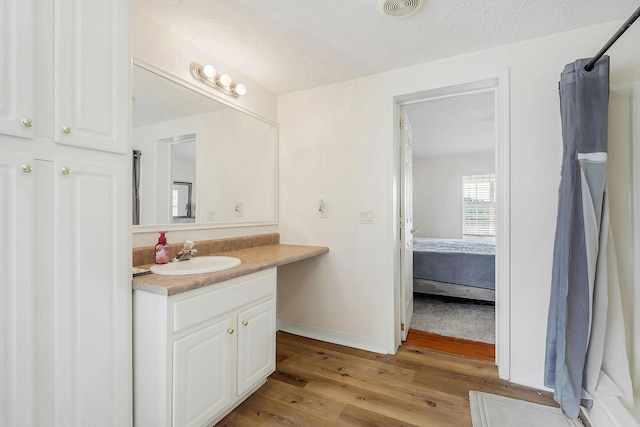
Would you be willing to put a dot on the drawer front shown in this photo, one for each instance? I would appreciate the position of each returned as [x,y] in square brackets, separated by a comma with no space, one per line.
[235,293]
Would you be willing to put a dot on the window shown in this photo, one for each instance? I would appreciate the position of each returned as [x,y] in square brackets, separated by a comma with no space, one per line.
[479,206]
[174,202]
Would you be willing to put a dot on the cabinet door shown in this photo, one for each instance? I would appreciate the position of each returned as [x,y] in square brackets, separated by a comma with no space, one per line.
[92,288]
[256,344]
[16,67]
[92,62]
[202,374]
[16,327]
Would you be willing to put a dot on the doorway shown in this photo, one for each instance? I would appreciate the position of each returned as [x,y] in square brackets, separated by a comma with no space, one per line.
[472,155]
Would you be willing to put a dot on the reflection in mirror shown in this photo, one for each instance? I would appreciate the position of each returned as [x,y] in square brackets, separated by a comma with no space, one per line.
[183,175]
[182,202]
[227,158]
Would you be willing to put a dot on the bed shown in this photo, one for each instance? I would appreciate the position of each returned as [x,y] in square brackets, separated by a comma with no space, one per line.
[461,268]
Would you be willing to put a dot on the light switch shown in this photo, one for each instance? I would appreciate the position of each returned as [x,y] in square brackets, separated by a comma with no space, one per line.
[237,208]
[366,217]
[322,210]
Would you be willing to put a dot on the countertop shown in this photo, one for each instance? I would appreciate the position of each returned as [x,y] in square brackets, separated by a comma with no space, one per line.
[253,259]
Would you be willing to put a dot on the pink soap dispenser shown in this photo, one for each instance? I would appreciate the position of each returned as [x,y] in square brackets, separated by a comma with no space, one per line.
[162,250]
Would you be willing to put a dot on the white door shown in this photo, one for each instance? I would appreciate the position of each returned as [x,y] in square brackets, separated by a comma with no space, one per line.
[16,67]
[92,61]
[92,288]
[406,223]
[202,374]
[256,344]
[16,304]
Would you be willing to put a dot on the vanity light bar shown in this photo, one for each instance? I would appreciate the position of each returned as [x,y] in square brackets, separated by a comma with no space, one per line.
[208,75]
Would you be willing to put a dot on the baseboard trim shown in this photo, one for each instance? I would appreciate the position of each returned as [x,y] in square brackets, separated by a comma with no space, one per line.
[609,412]
[332,336]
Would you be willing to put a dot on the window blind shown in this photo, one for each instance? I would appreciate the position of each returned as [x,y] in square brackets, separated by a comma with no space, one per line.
[479,205]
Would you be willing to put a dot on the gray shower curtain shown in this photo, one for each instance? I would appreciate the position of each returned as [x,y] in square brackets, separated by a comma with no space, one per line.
[583,337]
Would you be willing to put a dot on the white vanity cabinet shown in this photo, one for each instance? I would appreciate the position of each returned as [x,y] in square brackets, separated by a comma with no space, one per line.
[198,354]
[202,374]
[256,344]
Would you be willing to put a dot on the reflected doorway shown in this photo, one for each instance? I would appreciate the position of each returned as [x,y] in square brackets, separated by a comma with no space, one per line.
[181,202]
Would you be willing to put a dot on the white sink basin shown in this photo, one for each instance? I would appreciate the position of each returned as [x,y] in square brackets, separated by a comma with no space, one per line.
[201,264]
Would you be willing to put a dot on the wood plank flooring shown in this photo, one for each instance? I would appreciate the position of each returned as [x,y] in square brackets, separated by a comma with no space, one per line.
[458,346]
[322,384]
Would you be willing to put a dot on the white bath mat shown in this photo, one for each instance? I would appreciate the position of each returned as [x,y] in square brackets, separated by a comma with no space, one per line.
[490,410]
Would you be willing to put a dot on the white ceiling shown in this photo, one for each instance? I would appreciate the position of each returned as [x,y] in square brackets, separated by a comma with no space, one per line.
[460,124]
[291,45]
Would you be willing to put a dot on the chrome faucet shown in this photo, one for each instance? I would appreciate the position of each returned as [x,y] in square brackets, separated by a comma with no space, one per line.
[186,253]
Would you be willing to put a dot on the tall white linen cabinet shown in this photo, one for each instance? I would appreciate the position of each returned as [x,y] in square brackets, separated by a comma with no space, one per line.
[65,159]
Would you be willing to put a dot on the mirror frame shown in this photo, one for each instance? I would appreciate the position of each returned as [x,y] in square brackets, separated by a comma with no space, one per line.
[146,228]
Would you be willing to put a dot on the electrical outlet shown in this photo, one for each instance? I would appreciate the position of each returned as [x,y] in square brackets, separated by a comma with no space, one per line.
[366,217]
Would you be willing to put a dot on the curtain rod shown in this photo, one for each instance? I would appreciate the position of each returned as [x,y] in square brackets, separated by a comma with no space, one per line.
[612,40]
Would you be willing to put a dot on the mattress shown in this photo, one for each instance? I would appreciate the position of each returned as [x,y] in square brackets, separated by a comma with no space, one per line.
[463,262]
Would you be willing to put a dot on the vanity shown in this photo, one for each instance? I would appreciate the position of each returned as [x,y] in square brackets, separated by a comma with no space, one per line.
[201,162]
[204,342]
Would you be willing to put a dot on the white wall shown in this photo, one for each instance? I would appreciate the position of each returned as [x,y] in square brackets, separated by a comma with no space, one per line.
[156,46]
[437,191]
[337,143]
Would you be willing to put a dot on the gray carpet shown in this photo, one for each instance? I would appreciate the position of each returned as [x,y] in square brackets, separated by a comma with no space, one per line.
[451,317]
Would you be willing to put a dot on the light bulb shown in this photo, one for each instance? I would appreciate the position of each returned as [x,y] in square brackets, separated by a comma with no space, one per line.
[240,89]
[209,71]
[225,80]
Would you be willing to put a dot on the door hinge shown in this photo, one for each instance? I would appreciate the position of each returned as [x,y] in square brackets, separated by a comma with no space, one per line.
[402,326]
[401,123]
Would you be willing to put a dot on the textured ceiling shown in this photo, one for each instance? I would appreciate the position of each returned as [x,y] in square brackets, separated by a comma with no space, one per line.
[460,124]
[291,45]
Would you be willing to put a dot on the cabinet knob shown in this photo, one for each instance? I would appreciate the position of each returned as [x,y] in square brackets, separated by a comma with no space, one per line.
[26,122]
[66,129]
[65,170]
[230,330]
[26,168]
[245,322]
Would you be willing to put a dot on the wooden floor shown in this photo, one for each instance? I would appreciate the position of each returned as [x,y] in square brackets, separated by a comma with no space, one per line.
[466,348]
[322,384]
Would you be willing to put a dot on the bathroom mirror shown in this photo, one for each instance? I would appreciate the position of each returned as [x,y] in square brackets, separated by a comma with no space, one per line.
[198,162]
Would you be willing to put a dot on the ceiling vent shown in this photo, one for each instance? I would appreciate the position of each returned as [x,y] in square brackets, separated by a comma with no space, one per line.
[400,7]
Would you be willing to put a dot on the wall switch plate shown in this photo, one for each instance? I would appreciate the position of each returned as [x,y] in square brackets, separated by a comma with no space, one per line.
[322,210]
[366,217]
[238,208]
